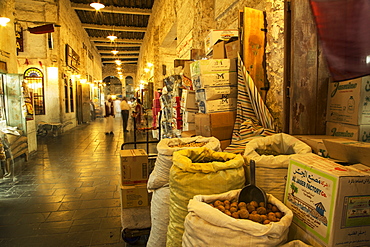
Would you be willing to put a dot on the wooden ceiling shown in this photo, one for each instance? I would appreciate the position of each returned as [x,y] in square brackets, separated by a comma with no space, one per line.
[126,19]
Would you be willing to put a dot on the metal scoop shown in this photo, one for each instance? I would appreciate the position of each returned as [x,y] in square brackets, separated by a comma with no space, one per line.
[251,192]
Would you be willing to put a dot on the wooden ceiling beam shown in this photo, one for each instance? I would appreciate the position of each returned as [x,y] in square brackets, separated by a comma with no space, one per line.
[117,45]
[110,9]
[114,28]
[104,39]
[117,57]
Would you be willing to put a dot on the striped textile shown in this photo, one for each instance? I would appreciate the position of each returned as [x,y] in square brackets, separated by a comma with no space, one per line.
[253,120]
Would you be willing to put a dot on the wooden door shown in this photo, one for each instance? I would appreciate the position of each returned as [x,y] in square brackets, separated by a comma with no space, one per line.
[308,77]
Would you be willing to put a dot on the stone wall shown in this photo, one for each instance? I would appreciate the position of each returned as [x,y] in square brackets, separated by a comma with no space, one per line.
[197,18]
[7,36]
[37,53]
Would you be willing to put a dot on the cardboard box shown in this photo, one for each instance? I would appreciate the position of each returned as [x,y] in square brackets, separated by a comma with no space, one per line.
[134,166]
[188,100]
[190,133]
[232,49]
[215,80]
[213,66]
[316,143]
[219,125]
[214,93]
[349,101]
[216,35]
[348,150]
[219,51]
[329,201]
[189,116]
[349,131]
[225,144]
[186,76]
[188,126]
[219,105]
[134,196]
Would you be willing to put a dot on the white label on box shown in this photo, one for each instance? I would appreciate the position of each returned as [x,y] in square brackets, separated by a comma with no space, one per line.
[220,105]
[311,198]
[349,101]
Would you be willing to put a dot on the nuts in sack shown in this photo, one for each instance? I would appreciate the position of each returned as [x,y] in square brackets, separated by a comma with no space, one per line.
[190,145]
[249,211]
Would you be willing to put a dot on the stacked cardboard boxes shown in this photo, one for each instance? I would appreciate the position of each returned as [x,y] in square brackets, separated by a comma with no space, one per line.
[215,82]
[216,35]
[215,85]
[134,176]
[189,107]
[348,112]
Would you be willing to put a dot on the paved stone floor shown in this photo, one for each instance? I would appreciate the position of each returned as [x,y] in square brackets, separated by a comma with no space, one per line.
[68,192]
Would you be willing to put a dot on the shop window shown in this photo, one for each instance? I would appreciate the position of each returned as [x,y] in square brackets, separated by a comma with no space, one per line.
[66,98]
[71,99]
[35,81]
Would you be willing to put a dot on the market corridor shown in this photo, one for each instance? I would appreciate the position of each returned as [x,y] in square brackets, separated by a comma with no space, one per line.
[68,192]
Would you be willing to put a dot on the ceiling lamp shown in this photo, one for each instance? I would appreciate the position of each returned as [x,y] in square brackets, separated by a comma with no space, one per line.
[118,62]
[112,37]
[4,21]
[114,52]
[97,6]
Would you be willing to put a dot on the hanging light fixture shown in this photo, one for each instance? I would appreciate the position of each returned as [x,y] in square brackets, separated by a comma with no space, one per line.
[119,68]
[112,37]
[97,6]
[115,52]
[4,21]
[118,62]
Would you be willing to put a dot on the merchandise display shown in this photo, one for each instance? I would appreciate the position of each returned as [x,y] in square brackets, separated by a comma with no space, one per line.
[195,172]
[272,155]
[205,225]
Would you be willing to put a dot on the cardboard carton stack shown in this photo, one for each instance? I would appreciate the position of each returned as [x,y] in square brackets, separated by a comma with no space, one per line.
[189,109]
[215,82]
[134,176]
[330,202]
[215,85]
[215,36]
[348,112]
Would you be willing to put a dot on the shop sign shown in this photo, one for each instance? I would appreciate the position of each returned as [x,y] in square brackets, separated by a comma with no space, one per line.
[19,39]
[72,58]
[184,48]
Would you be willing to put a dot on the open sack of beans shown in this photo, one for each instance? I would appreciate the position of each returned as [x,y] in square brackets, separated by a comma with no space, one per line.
[199,171]
[251,224]
[166,147]
[272,154]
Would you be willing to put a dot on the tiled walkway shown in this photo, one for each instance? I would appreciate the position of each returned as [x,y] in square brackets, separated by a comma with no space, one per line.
[68,193]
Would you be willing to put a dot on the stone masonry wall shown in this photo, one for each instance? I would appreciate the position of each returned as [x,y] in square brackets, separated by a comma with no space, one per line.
[198,17]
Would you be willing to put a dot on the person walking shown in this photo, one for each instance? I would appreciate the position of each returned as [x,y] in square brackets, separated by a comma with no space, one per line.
[125,112]
[137,113]
[109,115]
